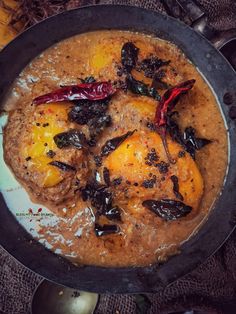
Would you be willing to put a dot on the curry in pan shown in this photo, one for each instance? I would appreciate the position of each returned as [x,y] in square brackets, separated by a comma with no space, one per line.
[119,135]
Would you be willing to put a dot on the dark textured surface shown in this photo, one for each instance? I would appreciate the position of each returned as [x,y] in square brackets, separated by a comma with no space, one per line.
[221,13]
[211,286]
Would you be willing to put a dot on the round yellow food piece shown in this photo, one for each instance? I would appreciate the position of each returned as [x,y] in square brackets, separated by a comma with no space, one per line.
[103,54]
[129,161]
[48,120]
[145,106]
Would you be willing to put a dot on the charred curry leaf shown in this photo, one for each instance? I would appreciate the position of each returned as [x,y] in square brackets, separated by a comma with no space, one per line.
[168,209]
[140,88]
[154,93]
[173,129]
[157,82]
[114,213]
[112,144]
[61,165]
[98,160]
[187,139]
[175,182]
[106,176]
[85,110]
[92,113]
[129,56]
[72,137]
[137,87]
[92,141]
[101,199]
[105,229]
[150,65]
[201,142]
[193,143]
[98,124]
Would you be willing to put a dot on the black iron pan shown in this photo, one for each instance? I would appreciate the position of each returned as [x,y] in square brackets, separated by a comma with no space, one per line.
[222,79]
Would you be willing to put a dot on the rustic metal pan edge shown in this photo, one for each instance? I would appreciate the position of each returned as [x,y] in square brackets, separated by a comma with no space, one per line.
[219,224]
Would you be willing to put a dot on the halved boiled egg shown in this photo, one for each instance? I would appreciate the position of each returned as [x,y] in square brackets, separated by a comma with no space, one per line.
[142,164]
[103,54]
[38,146]
[145,106]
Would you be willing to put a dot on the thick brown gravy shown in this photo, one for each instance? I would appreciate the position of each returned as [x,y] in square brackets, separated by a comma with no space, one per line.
[144,237]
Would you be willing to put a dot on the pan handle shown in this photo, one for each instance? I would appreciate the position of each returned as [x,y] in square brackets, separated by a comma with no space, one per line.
[225,41]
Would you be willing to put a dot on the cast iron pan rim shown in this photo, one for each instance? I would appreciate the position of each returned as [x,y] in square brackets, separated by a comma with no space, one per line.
[127,279]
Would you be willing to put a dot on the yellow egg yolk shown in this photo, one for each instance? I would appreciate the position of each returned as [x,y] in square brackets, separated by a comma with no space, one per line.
[48,120]
[103,54]
[144,105]
[130,161]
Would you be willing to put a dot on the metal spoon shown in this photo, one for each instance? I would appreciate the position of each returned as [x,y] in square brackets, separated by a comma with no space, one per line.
[50,298]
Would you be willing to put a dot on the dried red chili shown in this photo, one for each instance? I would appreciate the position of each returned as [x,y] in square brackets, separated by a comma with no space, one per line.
[90,91]
[166,105]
